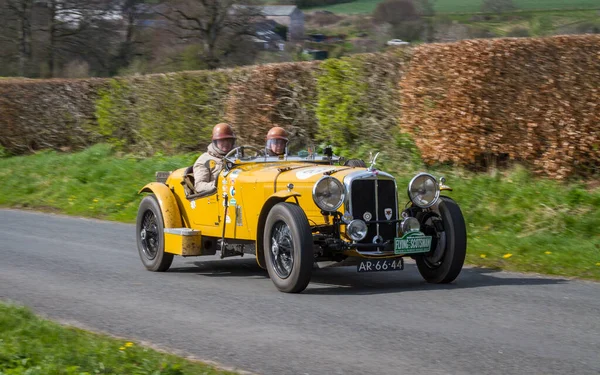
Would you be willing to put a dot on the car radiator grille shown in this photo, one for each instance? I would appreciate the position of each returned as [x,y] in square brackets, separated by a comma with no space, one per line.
[363,200]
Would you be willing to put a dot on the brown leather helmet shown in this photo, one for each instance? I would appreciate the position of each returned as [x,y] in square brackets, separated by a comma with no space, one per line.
[277,133]
[222,131]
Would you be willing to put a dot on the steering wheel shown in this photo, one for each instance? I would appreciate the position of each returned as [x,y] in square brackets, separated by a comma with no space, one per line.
[239,153]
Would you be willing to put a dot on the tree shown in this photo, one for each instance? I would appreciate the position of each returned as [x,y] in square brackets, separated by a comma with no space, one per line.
[215,24]
[131,11]
[425,7]
[498,6]
[395,12]
[74,27]
[18,18]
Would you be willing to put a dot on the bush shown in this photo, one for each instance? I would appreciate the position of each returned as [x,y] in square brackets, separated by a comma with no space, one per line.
[358,97]
[164,112]
[518,32]
[477,103]
[273,95]
[395,12]
[47,114]
[324,18]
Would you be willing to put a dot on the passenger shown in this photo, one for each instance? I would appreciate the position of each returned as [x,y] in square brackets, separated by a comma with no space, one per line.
[277,139]
[208,166]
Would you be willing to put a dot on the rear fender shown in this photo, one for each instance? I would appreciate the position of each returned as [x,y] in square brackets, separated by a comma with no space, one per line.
[280,196]
[167,203]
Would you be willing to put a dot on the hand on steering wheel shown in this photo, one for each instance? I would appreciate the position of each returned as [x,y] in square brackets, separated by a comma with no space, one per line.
[239,153]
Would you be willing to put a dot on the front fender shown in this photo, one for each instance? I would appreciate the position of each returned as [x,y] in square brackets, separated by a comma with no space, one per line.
[167,203]
[280,196]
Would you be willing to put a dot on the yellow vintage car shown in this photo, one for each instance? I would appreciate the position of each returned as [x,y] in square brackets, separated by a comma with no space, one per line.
[294,212]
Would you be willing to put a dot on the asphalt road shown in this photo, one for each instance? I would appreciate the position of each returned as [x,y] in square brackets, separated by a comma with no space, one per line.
[88,272]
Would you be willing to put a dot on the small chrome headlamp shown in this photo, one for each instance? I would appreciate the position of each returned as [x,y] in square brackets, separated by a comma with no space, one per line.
[423,190]
[329,193]
[347,218]
[410,224]
[357,230]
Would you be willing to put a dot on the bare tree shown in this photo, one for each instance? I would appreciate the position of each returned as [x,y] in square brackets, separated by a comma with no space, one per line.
[214,23]
[73,28]
[395,12]
[18,15]
[131,11]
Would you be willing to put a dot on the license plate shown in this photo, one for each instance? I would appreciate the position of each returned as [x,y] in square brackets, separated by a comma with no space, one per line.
[412,243]
[378,265]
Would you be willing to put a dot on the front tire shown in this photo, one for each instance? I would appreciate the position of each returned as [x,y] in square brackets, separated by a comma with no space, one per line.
[151,237]
[443,264]
[288,248]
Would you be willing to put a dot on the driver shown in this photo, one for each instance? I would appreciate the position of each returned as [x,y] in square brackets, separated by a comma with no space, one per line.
[277,139]
[208,166]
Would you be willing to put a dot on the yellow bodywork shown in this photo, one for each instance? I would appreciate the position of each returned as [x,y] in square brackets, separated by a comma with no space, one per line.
[251,189]
[183,241]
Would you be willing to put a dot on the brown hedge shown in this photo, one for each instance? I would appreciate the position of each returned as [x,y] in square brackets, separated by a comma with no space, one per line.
[44,114]
[270,95]
[531,100]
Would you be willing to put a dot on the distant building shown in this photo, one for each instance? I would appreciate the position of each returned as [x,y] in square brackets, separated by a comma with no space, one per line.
[287,15]
[267,36]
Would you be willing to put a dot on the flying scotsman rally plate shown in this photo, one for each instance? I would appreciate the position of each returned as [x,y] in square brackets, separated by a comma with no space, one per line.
[412,243]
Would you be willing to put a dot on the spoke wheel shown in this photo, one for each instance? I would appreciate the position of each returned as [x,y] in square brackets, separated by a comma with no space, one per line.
[288,247]
[444,263]
[282,250]
[150,236]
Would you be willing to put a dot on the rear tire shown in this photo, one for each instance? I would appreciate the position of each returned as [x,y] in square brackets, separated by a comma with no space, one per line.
[150,236]
[288,248]
[443,265]
[355,163]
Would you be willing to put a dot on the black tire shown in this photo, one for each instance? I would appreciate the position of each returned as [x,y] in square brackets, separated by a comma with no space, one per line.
[150,236]
[355,163]
[288,247]
[444,264]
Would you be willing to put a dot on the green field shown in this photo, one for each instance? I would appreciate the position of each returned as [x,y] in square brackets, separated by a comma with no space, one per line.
[514,221]
[30,345]
[466,6]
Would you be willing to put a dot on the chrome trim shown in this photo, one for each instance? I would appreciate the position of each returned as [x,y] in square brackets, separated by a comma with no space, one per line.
[377,206]
[182,231]
[365,175]
[369,175]
[342,198]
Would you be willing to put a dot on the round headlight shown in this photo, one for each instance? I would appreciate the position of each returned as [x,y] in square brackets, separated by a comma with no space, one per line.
[357,230]
[423,190]
[328,193]
[410,224]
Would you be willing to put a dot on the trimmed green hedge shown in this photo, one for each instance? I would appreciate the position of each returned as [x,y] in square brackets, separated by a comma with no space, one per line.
[169,113]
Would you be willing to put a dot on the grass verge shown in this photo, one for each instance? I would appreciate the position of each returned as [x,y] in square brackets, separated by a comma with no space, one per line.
[33,346]
[514,221]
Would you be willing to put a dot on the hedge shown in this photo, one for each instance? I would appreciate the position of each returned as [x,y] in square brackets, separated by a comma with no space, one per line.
[39,114]
[477,103]
[535,101]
